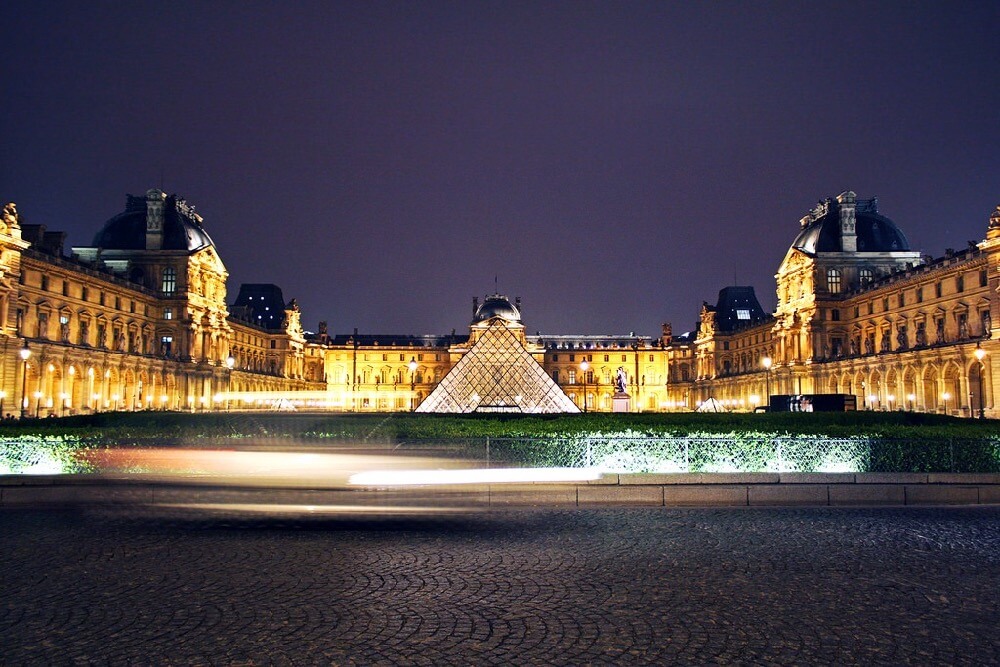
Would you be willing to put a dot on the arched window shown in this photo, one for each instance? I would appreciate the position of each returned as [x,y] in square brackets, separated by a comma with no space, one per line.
[168,284]
[833,281]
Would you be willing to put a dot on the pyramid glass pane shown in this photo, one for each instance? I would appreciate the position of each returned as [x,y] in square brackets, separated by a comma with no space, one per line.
[497,375]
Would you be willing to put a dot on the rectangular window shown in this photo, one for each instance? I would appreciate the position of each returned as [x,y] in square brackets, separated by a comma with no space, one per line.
[166,345]
[937,290]
[65,286]
[168,313]
[835,315]
[84,293]
[983,279]
[555,357]
[168,282]
[833,282]
[742,314]
[606,357]
[572,357]
[572,376]
[920,295]
[960,283]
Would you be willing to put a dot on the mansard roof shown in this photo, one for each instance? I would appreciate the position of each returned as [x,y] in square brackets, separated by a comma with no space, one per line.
[182,227]
[875,232]
[738,308]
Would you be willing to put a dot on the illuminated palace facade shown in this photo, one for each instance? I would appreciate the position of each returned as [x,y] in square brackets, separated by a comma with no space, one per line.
[141,319]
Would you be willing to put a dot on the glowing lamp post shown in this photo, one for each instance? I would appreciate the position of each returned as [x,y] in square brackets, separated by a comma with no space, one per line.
[945,396]
[413,382]
[766,363]
[912,398]
[980,355]
[584,367]
[230,362]
[25,353]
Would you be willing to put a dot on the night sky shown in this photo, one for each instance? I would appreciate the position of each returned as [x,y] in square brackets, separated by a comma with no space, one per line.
[614,164]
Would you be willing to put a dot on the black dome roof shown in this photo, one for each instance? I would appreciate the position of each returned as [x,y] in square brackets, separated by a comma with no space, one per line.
[497,306]
[875,232]
[182,228]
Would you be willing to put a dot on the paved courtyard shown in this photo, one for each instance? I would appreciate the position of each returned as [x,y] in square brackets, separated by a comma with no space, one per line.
[629,586]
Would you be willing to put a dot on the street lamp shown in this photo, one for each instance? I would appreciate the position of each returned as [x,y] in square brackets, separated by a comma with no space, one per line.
[945,396]
[766,363]
[25,353]
[413,381]
[980,355]
[912,398]
[230,362]
[584,367]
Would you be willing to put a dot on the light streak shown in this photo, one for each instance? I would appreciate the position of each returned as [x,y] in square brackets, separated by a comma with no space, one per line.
[471,476]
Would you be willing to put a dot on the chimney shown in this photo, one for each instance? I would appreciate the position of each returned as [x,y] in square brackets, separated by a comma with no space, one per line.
[848,208]
[154,219]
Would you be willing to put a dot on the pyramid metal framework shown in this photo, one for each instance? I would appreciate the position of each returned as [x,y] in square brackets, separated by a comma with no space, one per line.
[497,374]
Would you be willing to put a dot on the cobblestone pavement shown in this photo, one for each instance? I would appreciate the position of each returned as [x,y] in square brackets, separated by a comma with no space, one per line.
[629,586]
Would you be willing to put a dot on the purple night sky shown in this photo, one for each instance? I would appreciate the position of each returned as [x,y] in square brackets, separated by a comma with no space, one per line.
[613,163]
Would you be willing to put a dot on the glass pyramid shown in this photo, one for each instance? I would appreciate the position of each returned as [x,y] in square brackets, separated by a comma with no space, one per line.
[497,374]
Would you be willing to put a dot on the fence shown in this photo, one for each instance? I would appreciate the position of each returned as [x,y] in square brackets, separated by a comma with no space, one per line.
[701,453]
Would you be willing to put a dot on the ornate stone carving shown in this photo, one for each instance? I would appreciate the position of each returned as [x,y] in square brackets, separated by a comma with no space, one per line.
[10,218]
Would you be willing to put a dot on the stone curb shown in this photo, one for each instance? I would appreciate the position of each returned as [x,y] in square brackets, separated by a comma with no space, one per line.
[645,490]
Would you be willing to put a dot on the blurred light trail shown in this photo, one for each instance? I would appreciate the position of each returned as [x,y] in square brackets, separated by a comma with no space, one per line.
[472,476]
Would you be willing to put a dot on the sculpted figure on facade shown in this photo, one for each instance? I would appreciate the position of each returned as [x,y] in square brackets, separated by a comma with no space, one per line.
[10,218]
